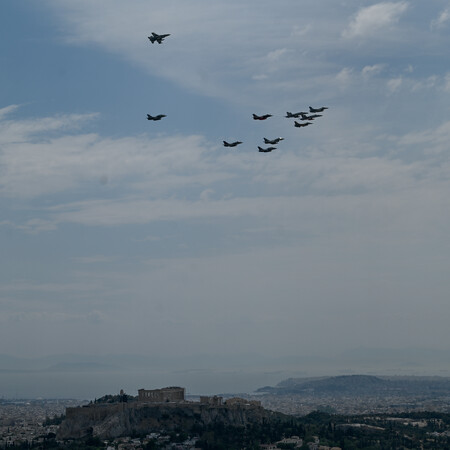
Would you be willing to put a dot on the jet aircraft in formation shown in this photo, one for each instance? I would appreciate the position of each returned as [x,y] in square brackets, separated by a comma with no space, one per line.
[290,115]
[264,117]
[302,115]
[273,141]
[266,150]
[231,144]
[306,119]
[157,38]
[299,125]
[316,110]
[158,117]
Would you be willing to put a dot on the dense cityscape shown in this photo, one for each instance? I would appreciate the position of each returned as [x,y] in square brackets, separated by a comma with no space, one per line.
[309,420]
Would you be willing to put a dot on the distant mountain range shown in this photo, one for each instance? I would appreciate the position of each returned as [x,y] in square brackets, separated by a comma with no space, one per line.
[358,385]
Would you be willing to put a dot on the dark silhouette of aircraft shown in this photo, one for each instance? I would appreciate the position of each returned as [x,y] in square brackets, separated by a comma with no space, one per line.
[316,110]
[264,117]
[290,115]
[304,115]
[314,116]
[157,38]
[158,117]
[273,141]
[266,150]
[299,125]
[231,144]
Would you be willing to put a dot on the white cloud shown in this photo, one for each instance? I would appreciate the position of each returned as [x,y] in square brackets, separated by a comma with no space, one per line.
[7,110]
[344,76]
[432,141]
[442,20]
[394,84]
[275,55]
[302,31]
[429,83]
[370,20]
[183,177]
[16,131]
[33,165]
[212,48]
[369,71]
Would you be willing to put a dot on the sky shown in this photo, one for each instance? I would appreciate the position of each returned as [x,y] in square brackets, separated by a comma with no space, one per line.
[121,235]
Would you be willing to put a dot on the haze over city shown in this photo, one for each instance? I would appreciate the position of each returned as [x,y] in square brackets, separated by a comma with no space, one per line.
[126,238]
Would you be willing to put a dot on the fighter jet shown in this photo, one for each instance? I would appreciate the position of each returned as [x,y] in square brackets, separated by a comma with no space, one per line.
[266,150]
[264,117]
[157,38]
[316,110]
[273,141]
[299,125]
[290,115]
[314,116]
[158,117]
[231,144]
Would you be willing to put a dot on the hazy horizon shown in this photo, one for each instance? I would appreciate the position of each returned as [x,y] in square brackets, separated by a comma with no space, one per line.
[89,376]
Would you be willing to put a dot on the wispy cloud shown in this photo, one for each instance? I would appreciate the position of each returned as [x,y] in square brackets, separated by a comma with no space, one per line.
[8,110]
[34,165]
[15,131]
[394,84]
[212,50]
[442,20]
[432,141]
[344,77]
[372,19]
[369,71]
[180,178]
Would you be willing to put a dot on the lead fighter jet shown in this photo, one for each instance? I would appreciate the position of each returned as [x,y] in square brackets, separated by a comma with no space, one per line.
[158,117]
[266,150]
[273,141]
[264,117]
[316,110]
[157,38]
[231,144]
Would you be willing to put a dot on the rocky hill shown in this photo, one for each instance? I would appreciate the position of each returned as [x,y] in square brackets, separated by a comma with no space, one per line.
[108,421]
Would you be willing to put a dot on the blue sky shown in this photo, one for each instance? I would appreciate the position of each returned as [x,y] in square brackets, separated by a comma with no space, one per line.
[337,239]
